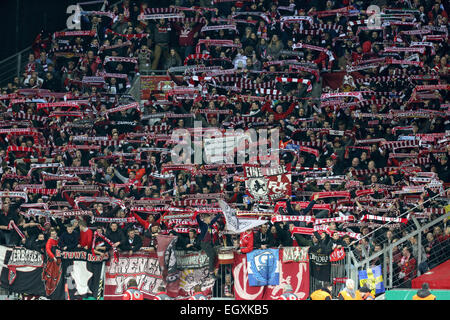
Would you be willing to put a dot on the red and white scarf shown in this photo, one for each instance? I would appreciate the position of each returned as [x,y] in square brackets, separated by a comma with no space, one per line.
[282,218]
[295,80]
[101,236]
[384,219]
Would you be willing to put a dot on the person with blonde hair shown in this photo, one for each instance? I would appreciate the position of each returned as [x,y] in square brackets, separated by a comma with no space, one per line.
[349,293]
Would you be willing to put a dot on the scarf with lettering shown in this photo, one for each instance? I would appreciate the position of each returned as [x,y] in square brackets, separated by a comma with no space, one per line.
[332,194]
[310,231]
[219,27]
[57,213]
[384,219]
[109,200]
[87,33]
[294,19]
[336,219]
[134,105]
[14,194]
[283,218]
[127,36]
[119,59]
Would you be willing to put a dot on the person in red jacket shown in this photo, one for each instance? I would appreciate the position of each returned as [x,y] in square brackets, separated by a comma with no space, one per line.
[132,293]
[86,236]
[278,113]
[52,272]
[187,34]
[51,243]
[147,224]
[246,241]
[408,268]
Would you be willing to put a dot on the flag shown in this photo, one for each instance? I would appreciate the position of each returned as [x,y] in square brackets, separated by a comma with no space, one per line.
[263,267]
[235,224]
[373,279]
[319,263]
[168,263]
[267,184]
[26,271]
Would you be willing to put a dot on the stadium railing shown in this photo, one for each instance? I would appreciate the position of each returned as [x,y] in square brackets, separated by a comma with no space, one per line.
[391,254]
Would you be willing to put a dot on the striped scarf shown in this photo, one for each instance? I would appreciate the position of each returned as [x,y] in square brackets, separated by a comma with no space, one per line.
[101,236]
[295,80]
[384,219]
[12,225]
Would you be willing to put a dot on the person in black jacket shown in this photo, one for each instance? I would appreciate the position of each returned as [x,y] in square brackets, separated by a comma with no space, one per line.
[115,235]
[132,243]
[190,242]
[69,239]
[39,243]
[292,212]
[9,212]
[325,243]
[206,239]
[285,233]
[263,238]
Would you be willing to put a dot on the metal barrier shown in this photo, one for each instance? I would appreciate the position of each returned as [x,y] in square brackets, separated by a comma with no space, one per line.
[219,286]
[338,273]
[337,277]
[360,255]
[413,236]
[13,66]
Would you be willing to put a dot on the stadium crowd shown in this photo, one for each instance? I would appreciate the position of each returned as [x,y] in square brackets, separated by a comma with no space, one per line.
[362,111]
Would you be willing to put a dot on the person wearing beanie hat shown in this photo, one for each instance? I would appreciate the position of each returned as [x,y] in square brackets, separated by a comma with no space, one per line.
[424,293]
[366,293]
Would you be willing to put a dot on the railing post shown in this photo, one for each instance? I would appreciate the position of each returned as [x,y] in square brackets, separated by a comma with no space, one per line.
[391,271]
[384,268]
[19,64]
[419,254]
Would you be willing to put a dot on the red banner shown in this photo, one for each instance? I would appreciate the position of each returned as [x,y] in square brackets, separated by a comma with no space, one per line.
[159,84]
[144,267]
[337,255]
[293,273]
